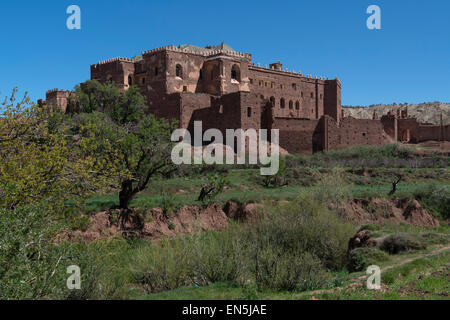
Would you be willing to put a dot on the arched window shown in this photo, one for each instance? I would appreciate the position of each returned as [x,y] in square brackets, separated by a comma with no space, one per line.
[235,73]
[297,105]
[291,104]
[130,81]
[272,101]
[282,103]
[179,71]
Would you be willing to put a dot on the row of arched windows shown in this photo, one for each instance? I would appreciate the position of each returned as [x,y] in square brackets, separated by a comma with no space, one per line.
[291,104]
[235,74]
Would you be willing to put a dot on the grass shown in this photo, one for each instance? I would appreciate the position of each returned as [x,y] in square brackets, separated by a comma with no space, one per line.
[400,282]
[422,278]
[245,194]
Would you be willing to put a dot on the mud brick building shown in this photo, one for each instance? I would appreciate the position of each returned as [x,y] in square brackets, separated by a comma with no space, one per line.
[224,89]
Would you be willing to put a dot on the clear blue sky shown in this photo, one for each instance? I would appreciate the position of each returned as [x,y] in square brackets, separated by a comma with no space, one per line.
[407,61]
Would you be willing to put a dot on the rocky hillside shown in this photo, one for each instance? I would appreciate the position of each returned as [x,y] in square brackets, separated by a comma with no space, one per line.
[424,112]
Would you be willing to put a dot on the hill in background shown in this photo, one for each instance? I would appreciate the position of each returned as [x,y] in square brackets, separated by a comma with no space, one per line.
[429,112]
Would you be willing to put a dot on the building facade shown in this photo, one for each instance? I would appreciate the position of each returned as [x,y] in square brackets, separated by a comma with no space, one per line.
[224,89]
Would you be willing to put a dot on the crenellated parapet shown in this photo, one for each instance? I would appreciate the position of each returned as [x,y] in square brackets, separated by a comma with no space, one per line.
[117,59]
[205,52]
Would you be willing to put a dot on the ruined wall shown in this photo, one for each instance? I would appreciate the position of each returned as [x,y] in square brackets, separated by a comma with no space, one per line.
[168,107]
[352,132]
[231,111]
[119,70]
[191,102]
[57,99]
[299,136]
[408,130]
[389,123]
[433,132]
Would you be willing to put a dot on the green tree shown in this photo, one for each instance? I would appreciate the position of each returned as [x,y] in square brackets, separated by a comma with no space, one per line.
[141,141]
[39,161]
[41,168]
[94,96]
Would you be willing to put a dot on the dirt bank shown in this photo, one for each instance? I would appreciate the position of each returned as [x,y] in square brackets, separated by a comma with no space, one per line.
[155,224]
[380,210]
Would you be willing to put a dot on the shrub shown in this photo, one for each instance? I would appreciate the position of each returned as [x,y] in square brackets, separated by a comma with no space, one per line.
[167,203]
[400,242]
[368,226]
[286,270]
[217,256]
[436,199]
[216,183]
[435,238]
[332,188]
[361,258]
[304,226]
[289,248]
[32,266]
[279,179]
[162,267]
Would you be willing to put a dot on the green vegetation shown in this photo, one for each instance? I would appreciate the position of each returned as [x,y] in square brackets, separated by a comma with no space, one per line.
[289,248]
[58,169]
[400,242]
[142,142]
[361,258]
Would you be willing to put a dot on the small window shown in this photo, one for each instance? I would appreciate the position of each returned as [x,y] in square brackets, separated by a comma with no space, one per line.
[179,71]
[143,80]
[185,89]
[291,105]
[130,81]
[249,112]
[251,81]
[282,103]
[312,95]
[261,83]
[297,105]
[200,76]
[321,96]
[156,71]
[294,86]
[272,85]
[267,84]
[282,86]
[364,134]
[301,94]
